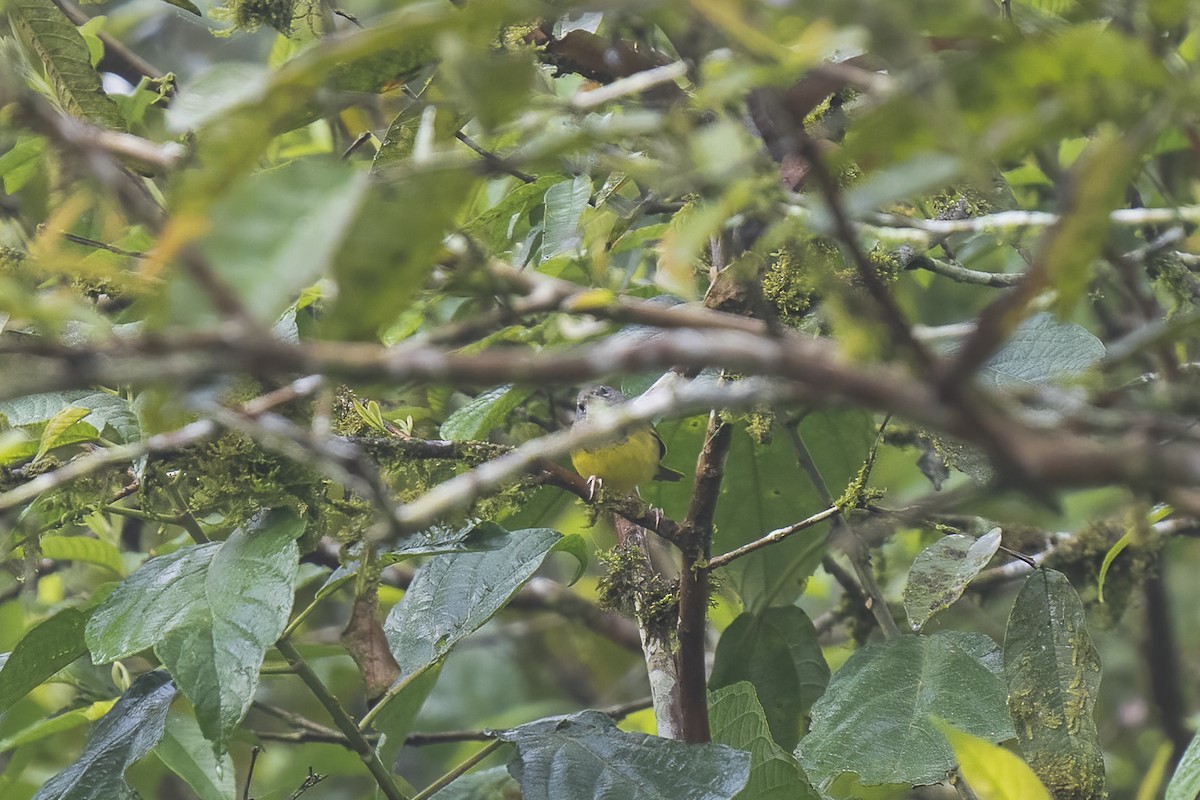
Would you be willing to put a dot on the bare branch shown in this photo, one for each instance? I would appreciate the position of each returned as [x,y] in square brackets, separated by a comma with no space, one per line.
[777,535]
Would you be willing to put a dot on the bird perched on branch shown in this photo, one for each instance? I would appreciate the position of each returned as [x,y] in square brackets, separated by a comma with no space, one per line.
[625,463]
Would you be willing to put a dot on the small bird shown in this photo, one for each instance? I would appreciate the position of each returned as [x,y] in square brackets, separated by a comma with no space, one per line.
[624,464]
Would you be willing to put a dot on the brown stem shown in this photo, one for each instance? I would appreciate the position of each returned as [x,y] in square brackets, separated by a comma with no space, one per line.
[694,579]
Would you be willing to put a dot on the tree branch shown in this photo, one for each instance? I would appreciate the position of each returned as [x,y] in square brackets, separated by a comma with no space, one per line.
[696,547]
[355,739]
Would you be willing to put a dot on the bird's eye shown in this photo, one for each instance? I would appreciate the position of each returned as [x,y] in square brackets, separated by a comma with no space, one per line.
[580,405]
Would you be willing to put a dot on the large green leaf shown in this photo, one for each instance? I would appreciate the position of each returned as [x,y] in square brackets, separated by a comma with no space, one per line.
[942,571]
[279,232]
[431,542]
[210,612]
[585,755]
[216,656]
[162,595]
[737,719]
[392,246]
[66,60]
[189,755]
[106,411]
[486,412]
[454,595]
[1053,673]
[123,736]
[565,202]
[874,719]
[1043,350]
[777,652]
[45,649]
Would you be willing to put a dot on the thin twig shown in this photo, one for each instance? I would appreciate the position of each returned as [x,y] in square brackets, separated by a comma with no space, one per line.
[309,782]
[459,770]
[357,742]
[86,242]
[856,549]
[494,160]
[777,535]
[632,84]
[250,771]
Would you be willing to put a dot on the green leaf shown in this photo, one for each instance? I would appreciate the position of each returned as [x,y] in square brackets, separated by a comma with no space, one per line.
[737,719]
[163,594]
[123,736]
[491,84]
[776,651]
[585,755]
[1042,351]
[1185,782]
[84,549]
[189,755]
[482,415]
[992,772]
[454,595]
[214,93]
[873,720]
[280,231]
[1100,178]
[564,206]
[106,411]
[66,60]
[942,571]
[210,612]
[398,717]
[490,784]
[215,658]
[21,162]
[55,432]
[493,227]
[432,542]
[1111,556]
[1053,673]
[52,726]
[45,649]
[392,246]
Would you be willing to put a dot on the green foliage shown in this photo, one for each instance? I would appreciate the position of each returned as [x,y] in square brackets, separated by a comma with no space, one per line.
[255,316]
[124,736]
[455,594]
[65,60]
[992,772]
[1053,673]
[210,612]
[739,721]
[777,653]
[880,702]
[942,571]
[585,755]
[43,650]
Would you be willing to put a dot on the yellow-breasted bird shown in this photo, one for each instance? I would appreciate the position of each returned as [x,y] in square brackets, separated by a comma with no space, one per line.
[624,464]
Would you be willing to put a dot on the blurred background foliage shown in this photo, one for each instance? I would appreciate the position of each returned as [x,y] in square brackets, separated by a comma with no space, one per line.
[354,172]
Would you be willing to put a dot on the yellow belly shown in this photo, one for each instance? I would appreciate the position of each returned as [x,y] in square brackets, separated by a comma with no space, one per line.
[621,465]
